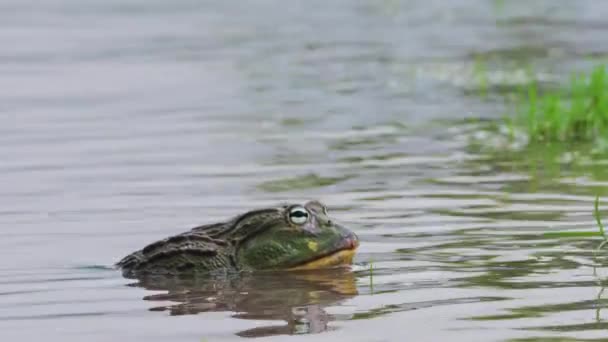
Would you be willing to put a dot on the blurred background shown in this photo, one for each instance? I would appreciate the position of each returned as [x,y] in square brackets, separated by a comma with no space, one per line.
[122,122]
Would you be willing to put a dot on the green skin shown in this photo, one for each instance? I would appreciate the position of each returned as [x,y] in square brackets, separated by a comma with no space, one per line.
[276,238]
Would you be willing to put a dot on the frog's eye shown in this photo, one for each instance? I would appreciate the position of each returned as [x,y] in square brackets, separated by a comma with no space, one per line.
[298,215]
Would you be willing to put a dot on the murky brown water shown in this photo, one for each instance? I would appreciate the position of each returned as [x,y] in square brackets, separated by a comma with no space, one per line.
[125,122]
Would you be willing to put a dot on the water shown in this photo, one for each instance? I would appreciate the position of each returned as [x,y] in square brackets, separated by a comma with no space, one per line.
[125,122]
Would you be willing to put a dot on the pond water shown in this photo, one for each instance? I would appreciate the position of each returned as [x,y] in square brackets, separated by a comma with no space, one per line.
[122,122]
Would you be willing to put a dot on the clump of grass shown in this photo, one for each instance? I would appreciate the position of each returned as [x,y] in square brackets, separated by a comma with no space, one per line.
[578,113]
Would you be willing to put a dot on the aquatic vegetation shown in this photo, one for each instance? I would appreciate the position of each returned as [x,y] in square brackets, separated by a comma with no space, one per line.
[549,132]
[578,113]
[307,181]
[598,219]
[481,76]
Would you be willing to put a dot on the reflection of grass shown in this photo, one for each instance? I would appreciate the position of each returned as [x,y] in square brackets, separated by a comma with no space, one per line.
[393,308]
[543,167]
[499,5]
[303,182]
[481,75]
[542,310]
[554,339]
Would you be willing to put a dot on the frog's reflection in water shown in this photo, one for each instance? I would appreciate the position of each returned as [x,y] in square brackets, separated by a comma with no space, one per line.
[299,298]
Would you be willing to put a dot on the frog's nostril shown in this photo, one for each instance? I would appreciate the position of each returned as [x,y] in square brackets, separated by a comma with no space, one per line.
[352,242]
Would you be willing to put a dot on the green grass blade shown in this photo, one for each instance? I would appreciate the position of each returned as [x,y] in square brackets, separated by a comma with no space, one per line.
[571,234]
[598,219]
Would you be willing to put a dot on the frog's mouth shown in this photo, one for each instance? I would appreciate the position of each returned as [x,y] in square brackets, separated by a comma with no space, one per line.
[342,256]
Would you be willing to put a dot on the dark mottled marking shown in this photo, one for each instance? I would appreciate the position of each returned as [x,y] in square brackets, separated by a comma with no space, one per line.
[186,266]
[233,263]
[194,237]
[230,228]
[205,238]
[204,253]
[151,247]
[265,226]
[177,239]
[130,260]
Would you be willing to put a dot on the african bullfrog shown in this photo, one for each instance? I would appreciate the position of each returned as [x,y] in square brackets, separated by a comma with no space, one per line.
[286,237]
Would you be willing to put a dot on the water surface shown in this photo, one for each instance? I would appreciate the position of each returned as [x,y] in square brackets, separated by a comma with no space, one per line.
[125,122]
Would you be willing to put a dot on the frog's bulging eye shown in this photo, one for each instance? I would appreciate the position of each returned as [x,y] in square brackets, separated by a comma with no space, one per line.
[298,215]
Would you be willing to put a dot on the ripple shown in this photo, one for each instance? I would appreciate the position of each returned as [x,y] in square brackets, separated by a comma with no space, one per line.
[124,123]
